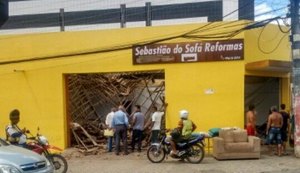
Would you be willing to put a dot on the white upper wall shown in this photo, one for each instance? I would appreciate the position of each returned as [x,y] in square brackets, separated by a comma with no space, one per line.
[103,26]
[230,11]
[35,7]
[53,6]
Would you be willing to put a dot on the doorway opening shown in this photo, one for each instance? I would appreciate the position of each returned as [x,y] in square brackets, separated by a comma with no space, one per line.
[90,98]
[263,92]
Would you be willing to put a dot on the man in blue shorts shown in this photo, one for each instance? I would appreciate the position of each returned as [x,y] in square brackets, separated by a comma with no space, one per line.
[273,129]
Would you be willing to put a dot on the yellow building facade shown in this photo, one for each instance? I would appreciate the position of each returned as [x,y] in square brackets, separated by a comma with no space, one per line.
[33,69]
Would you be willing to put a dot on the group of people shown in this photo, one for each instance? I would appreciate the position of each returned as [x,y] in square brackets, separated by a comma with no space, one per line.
[120,122]
[277,129]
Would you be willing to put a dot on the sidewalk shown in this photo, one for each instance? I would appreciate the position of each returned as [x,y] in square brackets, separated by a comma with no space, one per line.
[138,163]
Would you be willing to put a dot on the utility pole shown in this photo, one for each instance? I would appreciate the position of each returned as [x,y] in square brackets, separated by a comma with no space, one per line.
[295,39]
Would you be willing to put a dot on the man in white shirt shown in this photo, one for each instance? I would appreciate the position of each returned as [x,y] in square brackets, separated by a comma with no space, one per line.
[14,134]
[156,124]
[108,121]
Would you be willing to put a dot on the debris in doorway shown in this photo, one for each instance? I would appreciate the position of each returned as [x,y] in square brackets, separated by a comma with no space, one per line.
[86,143]
[90,98]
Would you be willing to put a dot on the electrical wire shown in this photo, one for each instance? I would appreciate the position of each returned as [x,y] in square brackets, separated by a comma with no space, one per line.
[103,50]
[271,51]
[279,26]
[264,13]
[128,46]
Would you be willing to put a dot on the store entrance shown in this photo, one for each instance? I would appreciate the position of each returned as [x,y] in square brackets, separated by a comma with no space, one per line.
[90,97]
[263,92]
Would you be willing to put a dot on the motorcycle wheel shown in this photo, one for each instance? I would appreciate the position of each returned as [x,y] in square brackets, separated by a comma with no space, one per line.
[59,163]
[196,154]
[156,154]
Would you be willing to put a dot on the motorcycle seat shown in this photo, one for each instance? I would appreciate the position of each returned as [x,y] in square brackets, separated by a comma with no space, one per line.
[193,139]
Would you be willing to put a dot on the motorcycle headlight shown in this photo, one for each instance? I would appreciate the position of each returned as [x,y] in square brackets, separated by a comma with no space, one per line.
[43,140]
[8,169]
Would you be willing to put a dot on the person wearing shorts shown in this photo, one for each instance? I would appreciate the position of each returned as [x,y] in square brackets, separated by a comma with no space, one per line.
[251,120]
[285,127]
[273,129]
[274,135]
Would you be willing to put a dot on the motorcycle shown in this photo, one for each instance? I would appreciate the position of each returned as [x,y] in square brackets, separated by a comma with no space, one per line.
[40,145]
[191,150]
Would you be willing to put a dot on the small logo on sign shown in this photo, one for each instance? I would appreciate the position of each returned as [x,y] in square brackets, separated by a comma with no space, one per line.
[189,57]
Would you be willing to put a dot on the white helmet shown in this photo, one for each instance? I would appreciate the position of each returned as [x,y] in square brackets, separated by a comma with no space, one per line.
[184,114]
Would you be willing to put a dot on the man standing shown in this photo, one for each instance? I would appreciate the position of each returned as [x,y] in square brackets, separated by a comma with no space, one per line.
[156,124]
[251,121]
[14,134]
[108,122]
[273,129]
[119,124]
[285,127]
[137,127]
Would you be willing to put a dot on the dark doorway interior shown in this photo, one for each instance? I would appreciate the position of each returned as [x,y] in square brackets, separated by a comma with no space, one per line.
[263,92]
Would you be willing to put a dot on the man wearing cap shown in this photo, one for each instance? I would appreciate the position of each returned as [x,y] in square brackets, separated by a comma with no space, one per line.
[14,134]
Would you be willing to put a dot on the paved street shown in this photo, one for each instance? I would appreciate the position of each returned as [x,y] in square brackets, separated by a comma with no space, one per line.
[138,163]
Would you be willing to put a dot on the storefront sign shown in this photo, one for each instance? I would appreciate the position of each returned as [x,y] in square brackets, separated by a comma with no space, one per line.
[224,50]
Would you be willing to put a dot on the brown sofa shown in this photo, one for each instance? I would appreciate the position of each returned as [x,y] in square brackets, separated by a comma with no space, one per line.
[235,144]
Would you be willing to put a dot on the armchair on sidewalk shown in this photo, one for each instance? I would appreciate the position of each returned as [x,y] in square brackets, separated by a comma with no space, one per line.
[235,144]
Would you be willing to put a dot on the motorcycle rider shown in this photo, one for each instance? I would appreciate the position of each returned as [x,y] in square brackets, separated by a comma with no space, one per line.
[14,134]
[185,129]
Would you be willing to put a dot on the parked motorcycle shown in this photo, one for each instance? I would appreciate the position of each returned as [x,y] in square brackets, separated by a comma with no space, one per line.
[40,145]
[191,150]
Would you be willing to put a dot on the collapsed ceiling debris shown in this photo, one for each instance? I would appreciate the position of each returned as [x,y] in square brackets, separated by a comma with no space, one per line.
[91,96]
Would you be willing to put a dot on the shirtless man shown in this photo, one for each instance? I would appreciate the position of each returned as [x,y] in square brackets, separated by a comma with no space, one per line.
[251,120]
[273,129]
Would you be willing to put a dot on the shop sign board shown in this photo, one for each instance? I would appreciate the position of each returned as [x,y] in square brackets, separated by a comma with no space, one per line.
[221,50]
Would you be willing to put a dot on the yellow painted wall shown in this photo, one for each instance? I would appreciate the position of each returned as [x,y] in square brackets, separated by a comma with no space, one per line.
[37,88]
[270,43]
[187,89]
[267,43]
